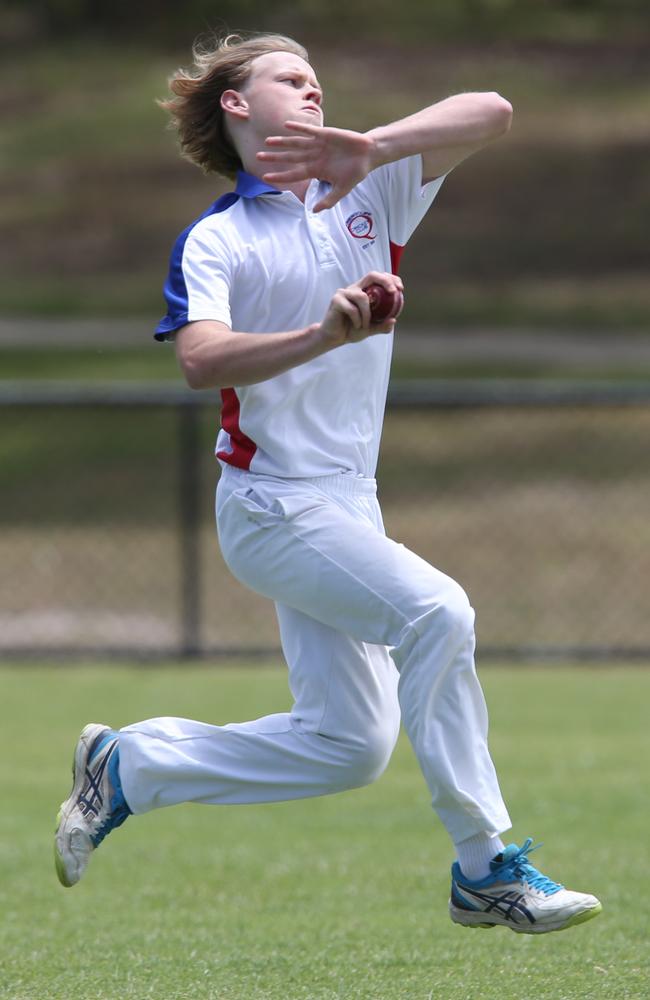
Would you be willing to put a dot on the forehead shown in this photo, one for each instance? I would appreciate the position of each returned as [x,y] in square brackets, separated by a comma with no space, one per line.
[267,65]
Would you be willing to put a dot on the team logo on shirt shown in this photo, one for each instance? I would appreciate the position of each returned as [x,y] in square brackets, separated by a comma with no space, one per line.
[361,225]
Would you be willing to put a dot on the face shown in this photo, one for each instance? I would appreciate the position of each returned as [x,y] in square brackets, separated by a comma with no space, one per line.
[281,87]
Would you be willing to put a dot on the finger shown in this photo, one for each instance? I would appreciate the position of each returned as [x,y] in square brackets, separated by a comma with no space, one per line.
[362,303]
[282,156]
[349,309]
[391,282]
[386,327]
[301,173]
[290,141]
[304,128]
[331,199]
[324,204]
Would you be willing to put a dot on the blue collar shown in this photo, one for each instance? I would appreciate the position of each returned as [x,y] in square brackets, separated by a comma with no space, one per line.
[249,186]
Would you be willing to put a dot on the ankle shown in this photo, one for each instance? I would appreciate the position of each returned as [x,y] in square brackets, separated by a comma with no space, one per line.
[475,853]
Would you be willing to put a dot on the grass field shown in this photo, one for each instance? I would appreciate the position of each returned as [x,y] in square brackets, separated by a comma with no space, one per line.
[341,897]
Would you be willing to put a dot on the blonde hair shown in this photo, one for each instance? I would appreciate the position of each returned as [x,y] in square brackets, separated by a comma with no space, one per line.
[195,108]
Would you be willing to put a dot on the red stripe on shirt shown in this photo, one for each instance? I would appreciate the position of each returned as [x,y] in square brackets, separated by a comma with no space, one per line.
[242,447]
[396,252]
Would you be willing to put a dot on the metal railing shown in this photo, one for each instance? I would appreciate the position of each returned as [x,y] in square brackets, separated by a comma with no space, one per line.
[534,495]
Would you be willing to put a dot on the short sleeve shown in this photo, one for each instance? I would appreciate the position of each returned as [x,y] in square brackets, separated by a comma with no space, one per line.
[198,283]
[404,197]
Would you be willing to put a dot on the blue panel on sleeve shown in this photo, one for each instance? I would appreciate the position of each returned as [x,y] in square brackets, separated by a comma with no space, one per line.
[175,286]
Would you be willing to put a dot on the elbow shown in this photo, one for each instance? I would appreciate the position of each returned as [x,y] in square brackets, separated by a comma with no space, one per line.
[196,375]
[499,113]
[194,380]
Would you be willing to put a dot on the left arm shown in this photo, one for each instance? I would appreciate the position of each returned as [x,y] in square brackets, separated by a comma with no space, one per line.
[444,134]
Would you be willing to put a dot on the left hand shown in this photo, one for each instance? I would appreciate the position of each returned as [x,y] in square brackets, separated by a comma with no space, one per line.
[340,156]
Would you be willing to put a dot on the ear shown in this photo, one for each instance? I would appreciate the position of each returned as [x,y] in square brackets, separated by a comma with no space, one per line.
[233,102]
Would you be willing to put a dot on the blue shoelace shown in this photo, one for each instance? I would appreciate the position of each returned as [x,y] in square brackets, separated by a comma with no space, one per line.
[517,867]
[118,814]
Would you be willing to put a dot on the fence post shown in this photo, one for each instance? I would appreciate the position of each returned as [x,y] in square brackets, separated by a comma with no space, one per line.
[189,500]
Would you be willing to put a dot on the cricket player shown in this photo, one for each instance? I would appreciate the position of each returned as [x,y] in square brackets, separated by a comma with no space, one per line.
[266,301]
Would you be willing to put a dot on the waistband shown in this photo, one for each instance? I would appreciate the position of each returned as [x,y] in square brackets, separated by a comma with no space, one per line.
[338,484]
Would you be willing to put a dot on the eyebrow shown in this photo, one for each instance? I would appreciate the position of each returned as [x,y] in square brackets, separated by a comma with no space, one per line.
[301,73]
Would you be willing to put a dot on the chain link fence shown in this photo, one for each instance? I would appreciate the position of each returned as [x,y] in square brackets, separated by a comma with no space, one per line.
[534,496]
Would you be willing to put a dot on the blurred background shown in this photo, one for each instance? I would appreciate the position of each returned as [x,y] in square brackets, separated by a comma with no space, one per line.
[517,438]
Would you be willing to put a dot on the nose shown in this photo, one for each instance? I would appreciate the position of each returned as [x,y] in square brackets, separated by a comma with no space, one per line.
[314,95]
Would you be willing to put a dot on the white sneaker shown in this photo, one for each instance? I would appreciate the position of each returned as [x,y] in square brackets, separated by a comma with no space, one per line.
[517,896]
[95,806]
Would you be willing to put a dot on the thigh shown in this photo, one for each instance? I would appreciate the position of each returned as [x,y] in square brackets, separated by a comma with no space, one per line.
[343,688]
[302,549]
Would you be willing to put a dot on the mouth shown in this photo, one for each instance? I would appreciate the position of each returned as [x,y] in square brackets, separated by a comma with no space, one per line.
[313,108]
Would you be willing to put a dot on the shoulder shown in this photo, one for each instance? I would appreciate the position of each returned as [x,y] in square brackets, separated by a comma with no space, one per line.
[403,183]
[388,177]
[403,171]
[212,226]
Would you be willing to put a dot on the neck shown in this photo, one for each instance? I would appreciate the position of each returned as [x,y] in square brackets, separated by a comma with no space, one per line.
[248,150]
[299,188]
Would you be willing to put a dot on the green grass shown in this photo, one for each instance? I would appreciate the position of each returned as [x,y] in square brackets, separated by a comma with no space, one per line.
[341,897]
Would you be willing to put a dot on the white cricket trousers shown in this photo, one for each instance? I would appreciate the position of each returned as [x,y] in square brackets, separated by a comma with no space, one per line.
[367,628]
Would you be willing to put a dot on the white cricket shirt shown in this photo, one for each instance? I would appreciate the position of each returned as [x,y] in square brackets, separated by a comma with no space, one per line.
[260,261]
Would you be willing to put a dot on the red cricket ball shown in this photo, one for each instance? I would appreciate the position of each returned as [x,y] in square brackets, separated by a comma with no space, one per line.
[384,305]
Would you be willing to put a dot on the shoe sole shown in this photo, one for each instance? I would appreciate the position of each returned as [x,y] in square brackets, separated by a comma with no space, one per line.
[474,920]
[88,736]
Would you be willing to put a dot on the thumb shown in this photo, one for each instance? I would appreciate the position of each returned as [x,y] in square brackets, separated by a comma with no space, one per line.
[332,198]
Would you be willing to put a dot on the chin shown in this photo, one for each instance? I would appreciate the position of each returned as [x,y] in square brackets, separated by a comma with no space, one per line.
[311,117]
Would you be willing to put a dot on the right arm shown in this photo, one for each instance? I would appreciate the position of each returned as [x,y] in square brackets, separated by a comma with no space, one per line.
[212,355]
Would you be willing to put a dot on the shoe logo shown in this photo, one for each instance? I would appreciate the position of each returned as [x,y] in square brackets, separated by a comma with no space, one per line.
[91,800]
[507,904]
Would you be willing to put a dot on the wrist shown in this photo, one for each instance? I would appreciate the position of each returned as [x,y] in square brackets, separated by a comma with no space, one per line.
[319,337]
[379,153]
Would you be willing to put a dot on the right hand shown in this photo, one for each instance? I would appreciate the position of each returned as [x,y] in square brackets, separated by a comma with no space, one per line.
[340,156]
[347,320]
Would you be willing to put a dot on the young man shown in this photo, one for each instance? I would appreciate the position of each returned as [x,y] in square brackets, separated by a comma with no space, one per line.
[266,301]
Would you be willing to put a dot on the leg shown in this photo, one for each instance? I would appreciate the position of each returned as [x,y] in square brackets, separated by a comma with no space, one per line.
[345,691]
[353,576]
[339,734]
[328,558]
[333,569]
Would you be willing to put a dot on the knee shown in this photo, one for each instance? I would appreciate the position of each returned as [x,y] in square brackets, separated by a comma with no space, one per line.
[445,626]
[369,757]
[449,618]
[454,613]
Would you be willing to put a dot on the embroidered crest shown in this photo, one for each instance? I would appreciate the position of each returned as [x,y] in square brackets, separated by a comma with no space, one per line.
[361,225]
